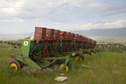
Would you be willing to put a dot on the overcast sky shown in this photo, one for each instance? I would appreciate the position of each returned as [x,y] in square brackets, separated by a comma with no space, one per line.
[21,16]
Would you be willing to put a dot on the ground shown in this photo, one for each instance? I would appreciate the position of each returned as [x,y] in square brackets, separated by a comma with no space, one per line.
[101,68]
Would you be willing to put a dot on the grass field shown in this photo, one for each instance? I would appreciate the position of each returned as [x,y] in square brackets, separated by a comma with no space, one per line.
[102,68]
[101,40]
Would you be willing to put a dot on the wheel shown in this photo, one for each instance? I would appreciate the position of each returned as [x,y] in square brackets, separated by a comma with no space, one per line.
[78,58]
[15,65]
[81,58]
[67,68]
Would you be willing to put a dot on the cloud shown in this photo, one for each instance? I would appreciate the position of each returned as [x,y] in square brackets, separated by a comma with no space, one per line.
[115,9]
[32,9]
[10,8]
[41,9]
[98,25]
[63,14]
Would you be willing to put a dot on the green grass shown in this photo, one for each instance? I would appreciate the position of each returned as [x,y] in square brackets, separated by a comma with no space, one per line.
[105,68]
[101,40]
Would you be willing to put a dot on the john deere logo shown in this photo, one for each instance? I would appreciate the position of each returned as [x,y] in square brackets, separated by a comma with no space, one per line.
[25,43]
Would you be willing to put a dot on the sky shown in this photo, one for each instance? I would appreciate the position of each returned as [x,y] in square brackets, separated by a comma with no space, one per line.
[22,16]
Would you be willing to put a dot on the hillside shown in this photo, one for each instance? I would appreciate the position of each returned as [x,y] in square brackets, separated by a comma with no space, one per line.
[104,40]
[115,35]
[14,36]
[115,32]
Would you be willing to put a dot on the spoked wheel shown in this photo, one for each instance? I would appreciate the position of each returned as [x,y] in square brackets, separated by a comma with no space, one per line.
[15,65]
[65,68]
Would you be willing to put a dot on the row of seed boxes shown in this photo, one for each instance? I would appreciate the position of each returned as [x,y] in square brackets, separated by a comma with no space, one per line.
[42,34]
[45,34]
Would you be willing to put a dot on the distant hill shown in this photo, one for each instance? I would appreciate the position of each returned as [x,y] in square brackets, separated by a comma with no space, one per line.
[115,32]
[14,36]
[115,35]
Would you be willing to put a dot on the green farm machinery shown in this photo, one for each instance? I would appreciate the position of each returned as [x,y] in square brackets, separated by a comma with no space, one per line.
[51,46]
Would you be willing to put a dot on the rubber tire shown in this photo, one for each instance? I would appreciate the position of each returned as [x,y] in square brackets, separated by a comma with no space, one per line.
[82,57]
[15,65]
[77,58]
[67,68]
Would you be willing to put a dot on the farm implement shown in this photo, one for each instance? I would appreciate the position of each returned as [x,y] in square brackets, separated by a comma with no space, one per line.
[51,46]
